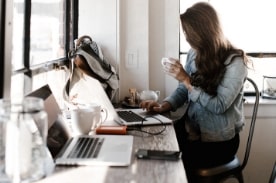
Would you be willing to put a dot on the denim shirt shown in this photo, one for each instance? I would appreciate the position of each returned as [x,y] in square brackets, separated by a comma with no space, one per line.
[213,118]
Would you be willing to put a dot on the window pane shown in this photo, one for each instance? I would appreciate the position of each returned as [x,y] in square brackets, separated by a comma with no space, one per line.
[47,31]
[247,24]
[55,79]
[18,19]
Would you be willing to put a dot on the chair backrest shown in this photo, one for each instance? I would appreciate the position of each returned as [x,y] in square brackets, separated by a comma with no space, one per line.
[272,178]
[252,125]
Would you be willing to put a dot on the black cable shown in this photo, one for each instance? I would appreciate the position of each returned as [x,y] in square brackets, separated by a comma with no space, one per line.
[139,127]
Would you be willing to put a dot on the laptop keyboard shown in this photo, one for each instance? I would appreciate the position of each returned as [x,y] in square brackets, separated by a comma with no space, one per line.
[86,147]
[130,116]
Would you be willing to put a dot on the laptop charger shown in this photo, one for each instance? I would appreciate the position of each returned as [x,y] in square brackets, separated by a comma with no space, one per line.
[112,130]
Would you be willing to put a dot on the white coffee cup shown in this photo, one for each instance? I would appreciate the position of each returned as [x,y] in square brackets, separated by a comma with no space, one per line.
[100,114]
[81,120]
[86,118]
[166,60]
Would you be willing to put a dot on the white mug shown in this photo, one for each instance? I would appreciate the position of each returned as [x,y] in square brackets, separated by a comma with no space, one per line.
[166,60]
[86,118]
[98,114]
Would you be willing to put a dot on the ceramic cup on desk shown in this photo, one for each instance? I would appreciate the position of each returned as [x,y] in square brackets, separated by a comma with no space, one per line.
[100,114]
[87,118]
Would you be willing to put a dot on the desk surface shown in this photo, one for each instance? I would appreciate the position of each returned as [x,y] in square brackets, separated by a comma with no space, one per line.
[139,171]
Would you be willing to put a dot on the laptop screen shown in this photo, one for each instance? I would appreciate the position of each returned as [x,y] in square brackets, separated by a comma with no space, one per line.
[58,132]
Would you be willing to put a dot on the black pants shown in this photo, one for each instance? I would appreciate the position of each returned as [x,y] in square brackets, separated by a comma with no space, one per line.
[198,154]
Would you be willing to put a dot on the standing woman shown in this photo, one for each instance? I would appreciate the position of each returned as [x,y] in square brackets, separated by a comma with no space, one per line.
[212,82]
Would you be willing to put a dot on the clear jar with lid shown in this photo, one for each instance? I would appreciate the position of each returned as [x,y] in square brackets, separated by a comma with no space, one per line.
[269,87]
[26,139]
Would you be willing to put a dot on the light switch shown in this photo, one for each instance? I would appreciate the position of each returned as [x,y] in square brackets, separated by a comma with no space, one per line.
[131,60]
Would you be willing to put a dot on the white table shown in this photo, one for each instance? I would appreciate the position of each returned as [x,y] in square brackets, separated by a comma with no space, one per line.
[140,171]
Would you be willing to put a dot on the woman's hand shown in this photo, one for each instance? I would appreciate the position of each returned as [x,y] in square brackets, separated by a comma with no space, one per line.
[176,70]
[151,105]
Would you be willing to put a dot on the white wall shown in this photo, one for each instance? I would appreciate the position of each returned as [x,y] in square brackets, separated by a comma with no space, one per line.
[263,149]
[134,36]
[164,42]
[98,19]
[8,47]
[134,45]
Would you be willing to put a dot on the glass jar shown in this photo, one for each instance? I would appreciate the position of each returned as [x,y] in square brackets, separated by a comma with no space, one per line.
[26,138]
[4,117]
[269,87]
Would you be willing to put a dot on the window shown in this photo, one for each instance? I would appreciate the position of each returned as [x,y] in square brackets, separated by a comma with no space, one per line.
[2,42]
[47,40]
[18,35]
[43,33]
[249,26]
[5,47]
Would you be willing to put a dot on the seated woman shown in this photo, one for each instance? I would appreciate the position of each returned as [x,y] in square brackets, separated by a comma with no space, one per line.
[212,82]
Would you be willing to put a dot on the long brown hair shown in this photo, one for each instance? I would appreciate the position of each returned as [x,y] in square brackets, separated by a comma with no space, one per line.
[202,28]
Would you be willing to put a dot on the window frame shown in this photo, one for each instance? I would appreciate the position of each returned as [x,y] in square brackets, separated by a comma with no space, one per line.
[70,33]
[2,45]
[5,46]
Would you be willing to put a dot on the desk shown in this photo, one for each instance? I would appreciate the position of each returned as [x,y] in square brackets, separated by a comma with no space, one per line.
[140,171]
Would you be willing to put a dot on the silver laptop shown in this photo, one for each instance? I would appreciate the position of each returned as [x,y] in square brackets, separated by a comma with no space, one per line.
[111,150]
[131,116]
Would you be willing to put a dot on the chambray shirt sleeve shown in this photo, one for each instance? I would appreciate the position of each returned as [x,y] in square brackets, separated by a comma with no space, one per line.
[230,87]
[180,95]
